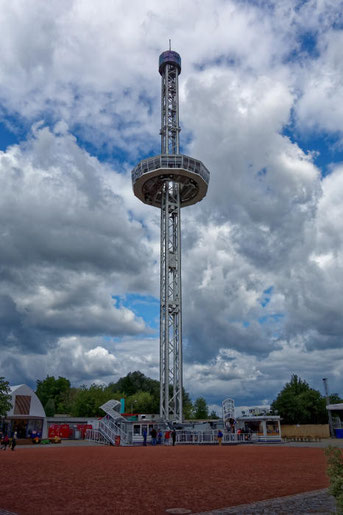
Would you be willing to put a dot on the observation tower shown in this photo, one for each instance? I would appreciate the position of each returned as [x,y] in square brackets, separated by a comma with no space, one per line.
[170,181]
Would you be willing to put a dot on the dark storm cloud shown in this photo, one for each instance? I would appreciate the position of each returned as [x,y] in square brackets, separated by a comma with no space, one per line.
[208,336]
[68,246]
[16,333]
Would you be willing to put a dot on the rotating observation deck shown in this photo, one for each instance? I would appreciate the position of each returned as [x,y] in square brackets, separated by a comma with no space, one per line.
[150,174]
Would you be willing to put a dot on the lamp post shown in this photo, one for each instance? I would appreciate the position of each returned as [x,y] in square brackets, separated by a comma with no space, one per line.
[133,403]
[325,381]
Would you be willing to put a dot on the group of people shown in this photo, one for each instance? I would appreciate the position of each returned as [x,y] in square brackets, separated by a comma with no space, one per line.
[157,436]
[8,442]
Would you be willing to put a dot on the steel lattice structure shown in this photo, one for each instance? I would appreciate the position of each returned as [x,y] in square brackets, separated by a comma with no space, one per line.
[170,181]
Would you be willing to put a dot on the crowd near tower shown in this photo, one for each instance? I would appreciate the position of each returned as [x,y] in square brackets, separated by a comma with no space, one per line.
[170,181]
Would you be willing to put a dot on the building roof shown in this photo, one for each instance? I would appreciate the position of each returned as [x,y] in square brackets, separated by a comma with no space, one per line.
[14,388]
[335,407]
[253,418]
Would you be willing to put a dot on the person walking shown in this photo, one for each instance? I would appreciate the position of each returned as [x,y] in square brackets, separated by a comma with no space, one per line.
[14,441]
[159,436]
[5,441]
[167,437]
[153,436]
[219,437]
[173,436]
[144,433]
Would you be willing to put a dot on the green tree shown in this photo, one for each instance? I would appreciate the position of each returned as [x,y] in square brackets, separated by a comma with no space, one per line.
[5,397]
[334,398]
[50,408]
[139,391]
[213,415]
[187,405]
[55,389]
[298,403]
[140,402]
[87,401]
[84,403]
[69,399]
[200,408]
[335,473]
[135,382]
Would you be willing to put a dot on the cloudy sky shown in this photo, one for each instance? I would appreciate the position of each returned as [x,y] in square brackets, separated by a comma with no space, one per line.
[261,94]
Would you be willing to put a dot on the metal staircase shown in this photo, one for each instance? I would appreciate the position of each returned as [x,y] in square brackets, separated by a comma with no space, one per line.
[113,424]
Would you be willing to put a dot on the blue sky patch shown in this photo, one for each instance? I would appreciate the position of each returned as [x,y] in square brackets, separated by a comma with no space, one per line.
[144,306]
[12,131]
[265,299]
[262,172]
[273,318]
[327,147]
[308,44]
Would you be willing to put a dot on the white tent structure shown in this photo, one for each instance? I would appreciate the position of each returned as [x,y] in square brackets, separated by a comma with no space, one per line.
[27,415]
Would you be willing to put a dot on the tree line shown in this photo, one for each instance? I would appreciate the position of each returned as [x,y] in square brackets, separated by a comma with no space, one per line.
[141,394]
[297,402]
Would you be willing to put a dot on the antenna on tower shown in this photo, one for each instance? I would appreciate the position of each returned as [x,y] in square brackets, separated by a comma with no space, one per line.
[170,44]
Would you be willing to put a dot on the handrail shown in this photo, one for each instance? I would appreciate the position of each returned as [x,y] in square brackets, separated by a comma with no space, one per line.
[96,436]
[111,428]
[171,161]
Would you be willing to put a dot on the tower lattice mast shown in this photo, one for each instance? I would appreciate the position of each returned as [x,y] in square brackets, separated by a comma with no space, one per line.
[170,295]
[170,181]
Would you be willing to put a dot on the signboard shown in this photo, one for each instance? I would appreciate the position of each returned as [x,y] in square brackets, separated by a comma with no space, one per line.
[228,411]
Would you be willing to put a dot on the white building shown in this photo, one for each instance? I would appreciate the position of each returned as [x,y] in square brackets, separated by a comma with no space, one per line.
[27,414]
[267,427]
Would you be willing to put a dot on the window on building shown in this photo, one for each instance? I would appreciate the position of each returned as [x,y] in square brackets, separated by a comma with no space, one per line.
[136,430]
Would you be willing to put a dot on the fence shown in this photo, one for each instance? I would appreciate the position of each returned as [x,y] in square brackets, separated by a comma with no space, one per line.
[198,438]
[305,431]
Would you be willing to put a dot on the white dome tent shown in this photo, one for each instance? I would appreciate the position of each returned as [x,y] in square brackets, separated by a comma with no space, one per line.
[27,415]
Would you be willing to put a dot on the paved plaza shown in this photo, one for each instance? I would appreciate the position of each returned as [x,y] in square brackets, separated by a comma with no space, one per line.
[317,501]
